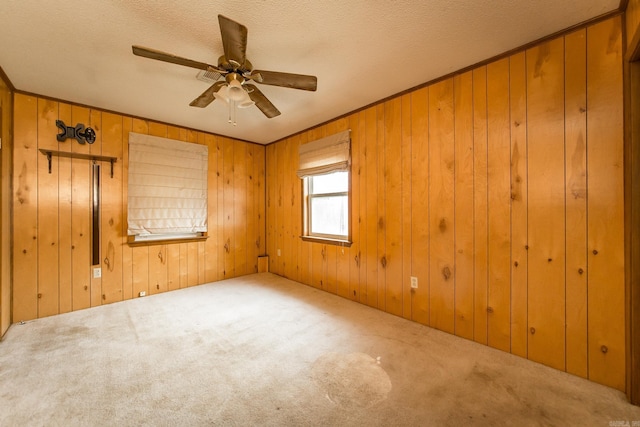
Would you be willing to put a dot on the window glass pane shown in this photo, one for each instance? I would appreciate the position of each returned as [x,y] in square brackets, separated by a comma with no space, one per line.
[329,215]
[336,182]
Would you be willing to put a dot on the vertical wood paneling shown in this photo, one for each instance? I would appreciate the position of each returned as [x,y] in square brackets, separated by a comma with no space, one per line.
[228,209]
[112,238]
[95,121]
[251,219]
[499,200]
[48,244]
[25,207]
[80,219]
[372,220]
[463,190]
[343,255]
[405,183]
[352,286]
[392,178]
[545,118]
[65,272]
[519,198]
[211,245]
[480,219]
[494,177]
[240,208]
[576,201]
[364,214]
[605,204]
[441,205]
[420,204]
[53,237]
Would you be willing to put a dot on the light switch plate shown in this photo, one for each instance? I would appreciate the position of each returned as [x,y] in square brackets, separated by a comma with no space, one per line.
[97,273]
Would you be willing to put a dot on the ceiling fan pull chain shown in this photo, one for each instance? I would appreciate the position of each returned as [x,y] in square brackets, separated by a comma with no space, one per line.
[232,105]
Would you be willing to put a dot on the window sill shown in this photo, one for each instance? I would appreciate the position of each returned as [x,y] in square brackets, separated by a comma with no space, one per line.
[328,241]
[133,243]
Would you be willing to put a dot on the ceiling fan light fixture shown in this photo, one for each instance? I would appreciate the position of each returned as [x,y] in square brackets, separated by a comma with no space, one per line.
[235,92]
[222,94]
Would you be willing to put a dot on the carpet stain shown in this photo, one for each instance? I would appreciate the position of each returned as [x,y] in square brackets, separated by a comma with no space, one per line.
[351,380]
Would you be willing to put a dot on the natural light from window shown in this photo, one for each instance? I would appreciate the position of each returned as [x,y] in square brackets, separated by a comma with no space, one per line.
[329,205]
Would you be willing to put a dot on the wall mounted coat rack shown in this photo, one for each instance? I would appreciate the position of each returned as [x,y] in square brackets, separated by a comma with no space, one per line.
[78,132]
[95,158]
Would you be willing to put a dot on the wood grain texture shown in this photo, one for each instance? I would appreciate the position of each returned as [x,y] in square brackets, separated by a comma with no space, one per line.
[441,206]
[499,204]
[545,119]
[576,201]
[53,243]
[605,204]
[463,204]
[487,173]
[519,203]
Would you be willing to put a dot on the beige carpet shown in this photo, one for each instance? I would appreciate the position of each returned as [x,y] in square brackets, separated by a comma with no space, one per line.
[263,350]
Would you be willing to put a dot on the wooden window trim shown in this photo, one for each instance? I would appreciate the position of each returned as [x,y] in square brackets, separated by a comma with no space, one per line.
[132,243]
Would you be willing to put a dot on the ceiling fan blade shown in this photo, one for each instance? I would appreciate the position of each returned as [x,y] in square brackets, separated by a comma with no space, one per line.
[234,41]
[167,57]
[207,96]
[293,81]
[262,102]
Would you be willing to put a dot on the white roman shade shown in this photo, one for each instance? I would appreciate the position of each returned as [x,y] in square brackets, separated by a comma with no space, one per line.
[167,191]
[326,155]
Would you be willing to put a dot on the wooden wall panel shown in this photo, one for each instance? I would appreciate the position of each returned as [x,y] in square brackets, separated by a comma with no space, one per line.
[65,267]
[463,204]
[605,204]
[441,205]
[52,241]
[25,207]
[519,203]
[420,204]
[480,219]
[392,178]
[508,175]
[373,222]
[112,238]
[499,201]
[576,201]
[48,245]
[80,219]
[545,119]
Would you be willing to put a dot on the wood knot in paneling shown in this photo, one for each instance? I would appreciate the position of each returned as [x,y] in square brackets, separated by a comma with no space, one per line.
[442,225]
[446,273]
[383,262]
[532,330]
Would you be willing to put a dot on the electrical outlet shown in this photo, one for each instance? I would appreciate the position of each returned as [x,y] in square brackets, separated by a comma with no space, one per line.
[414,282]
[142,293]
[97,273]
[278,252]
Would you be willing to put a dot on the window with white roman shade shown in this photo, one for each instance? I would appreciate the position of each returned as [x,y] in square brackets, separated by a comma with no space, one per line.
[167,188]
[326,155]
[324,168]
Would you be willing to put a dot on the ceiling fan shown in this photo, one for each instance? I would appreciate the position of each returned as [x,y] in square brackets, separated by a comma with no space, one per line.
[237,72]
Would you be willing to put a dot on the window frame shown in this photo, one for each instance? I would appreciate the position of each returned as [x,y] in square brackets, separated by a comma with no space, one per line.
[307,196]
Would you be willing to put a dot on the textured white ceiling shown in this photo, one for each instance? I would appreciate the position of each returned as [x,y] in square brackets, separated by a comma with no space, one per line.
[360,50]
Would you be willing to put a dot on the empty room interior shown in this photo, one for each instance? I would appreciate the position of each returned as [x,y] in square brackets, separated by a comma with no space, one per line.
[320,213]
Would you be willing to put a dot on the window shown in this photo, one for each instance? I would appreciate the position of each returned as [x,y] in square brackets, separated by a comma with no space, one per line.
[167,189]
[328,205]
[324,168]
